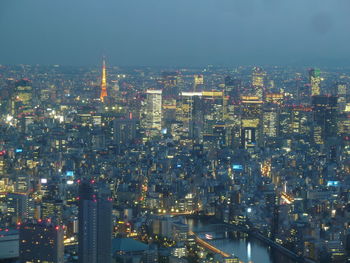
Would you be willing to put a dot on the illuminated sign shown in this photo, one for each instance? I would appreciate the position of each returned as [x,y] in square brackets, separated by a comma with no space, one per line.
[237,167]
[43,180]
[19,150]
[333,183]
[69,173]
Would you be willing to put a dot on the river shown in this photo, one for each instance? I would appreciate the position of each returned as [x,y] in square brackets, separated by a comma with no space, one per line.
[247,249]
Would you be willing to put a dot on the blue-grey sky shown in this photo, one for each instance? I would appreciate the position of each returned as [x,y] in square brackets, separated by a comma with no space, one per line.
[175,32]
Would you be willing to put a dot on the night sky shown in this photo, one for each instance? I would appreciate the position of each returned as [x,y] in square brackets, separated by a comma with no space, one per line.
[175,32]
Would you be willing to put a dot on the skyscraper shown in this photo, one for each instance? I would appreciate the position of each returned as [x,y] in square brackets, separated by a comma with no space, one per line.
[270,121]
[189,114]
[87,235]
[153,111]
[95,225]
[124,131]
[342,94]
[258,82]
[17,206]
[315,81]
[233,88]
[324,117]
[103,83]
[251,112]
[198,80]
[22,101]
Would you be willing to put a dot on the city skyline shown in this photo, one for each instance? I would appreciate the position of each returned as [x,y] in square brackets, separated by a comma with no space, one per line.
[174,131]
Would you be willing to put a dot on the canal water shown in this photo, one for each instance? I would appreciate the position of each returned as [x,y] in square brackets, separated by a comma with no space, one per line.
[248,250]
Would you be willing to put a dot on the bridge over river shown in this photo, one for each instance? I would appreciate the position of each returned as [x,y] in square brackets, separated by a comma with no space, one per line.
[248,246]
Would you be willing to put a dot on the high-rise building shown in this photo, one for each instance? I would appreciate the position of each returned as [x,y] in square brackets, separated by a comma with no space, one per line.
[233,88]
[342,93]
[270,121]
[188,113]
[251,126]
[153,111]
[22,101]
[103,94]
[169,79]
[324,117]
[41,242]
[52,208]
[17,206]
[300,120]
[124,131]
[202,114]
[214,111]
[198,81]
[95,225]
[285,121]
[258,82]
[315,81]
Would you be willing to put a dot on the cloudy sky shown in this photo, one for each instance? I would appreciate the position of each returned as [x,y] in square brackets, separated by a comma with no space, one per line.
[175,32]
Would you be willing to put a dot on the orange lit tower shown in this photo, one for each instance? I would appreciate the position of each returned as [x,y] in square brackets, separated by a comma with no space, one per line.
[103,82]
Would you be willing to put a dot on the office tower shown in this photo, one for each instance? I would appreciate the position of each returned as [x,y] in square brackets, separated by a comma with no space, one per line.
[301,120]
[22,184]
[95,225]
[41,242]
[104,229]
[52,209]
[274,98]
[285,121]
[214,110]
[344,124]
[103,94]
[270,121]
[298,88]
[170,91]
[2,164]
[315,81]
[258,82]
[324,117]
[233,88]
[168,112]
[271,87]
[198,82]
[87,233]
[188,113]
[124,131]
[153,111]
[251,114]
[202,114]
[341,92]
[169,79]
[22,101]
[17,207]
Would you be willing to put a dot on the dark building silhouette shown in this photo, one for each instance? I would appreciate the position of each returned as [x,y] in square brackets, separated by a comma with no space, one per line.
[41,242]
[324,117]
[95,225]
[233,88]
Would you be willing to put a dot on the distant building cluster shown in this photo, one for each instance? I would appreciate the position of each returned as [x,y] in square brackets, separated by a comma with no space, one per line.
[150,165]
